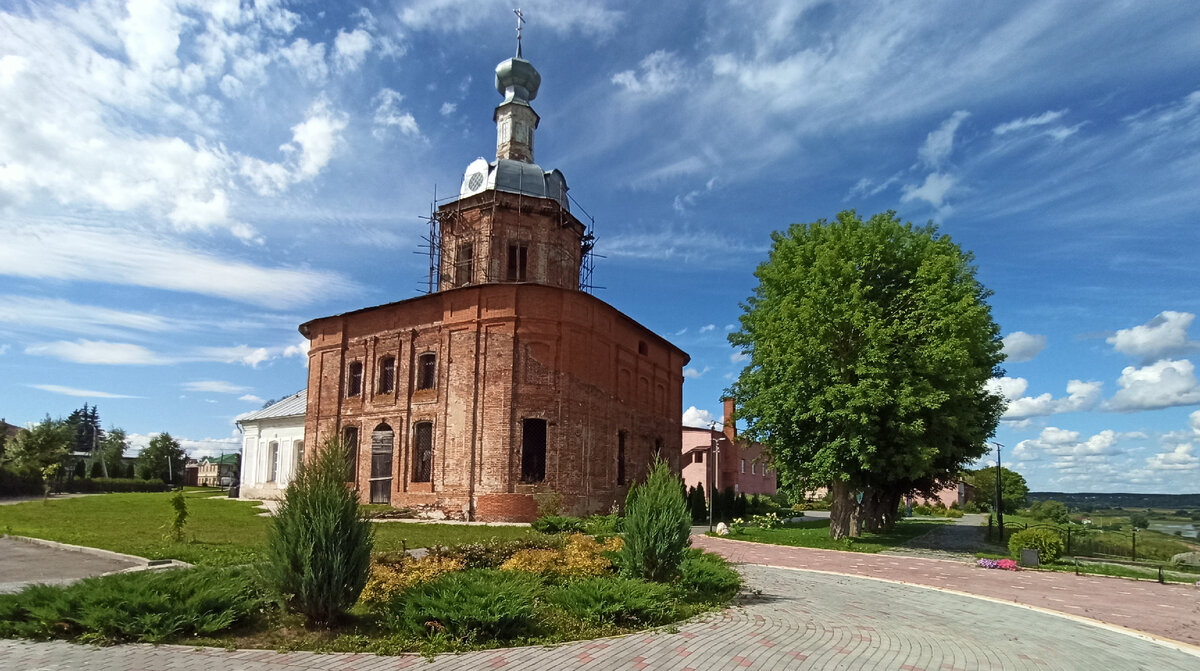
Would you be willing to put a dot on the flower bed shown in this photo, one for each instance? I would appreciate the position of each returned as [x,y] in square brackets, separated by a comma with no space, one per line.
[1003,564]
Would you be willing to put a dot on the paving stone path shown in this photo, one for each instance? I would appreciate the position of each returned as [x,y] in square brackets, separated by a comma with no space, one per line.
[798,620]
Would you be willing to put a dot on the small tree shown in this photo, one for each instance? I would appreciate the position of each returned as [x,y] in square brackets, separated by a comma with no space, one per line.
[1013,489]
[657,526]
[319,544]
[180,518]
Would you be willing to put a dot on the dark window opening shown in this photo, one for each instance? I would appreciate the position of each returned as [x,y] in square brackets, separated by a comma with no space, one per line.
[350,446]
[699,458]
[387,374]
[517,256]
[426,371]
[354,379]
[533,450]
[464,264]
[621,458]
[423,452]
[642,348]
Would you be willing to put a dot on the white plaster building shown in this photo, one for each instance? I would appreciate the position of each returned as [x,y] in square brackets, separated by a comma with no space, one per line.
[272,447]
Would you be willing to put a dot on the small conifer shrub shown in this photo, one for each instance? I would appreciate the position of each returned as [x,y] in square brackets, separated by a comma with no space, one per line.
[319,543]
[657,525]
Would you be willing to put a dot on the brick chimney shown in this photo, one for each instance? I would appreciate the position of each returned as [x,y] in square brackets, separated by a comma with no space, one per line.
[730,425]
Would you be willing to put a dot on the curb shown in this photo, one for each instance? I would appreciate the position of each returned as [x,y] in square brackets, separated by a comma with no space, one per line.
[140,563]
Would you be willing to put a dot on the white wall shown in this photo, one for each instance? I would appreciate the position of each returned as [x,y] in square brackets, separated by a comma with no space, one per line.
[258,435]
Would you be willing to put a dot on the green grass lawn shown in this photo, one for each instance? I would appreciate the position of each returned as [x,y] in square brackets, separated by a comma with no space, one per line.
[219,531]
[815,534]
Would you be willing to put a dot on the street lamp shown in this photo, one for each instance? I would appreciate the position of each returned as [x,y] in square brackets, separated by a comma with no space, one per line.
[714,473]
[999,497]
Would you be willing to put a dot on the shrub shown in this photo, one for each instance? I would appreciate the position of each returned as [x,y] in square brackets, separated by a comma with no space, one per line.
[582,556]
[549,504]
[657,526]
[954,513]
[1047,542]
[319,543]
[972,507]
[494,552]
[708,576]
[114,485]
[698,504]
[1139,521]
[557,524]
[615,600]
[766,522]
[603,525]
[471,606]
[391,576]
[179,519]
[147,607]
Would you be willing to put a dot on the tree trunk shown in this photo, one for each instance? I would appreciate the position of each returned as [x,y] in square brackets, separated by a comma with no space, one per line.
[872,510]
[891,511]
[843,516]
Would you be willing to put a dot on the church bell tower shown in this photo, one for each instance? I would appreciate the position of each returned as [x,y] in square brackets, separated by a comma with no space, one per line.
[512,221]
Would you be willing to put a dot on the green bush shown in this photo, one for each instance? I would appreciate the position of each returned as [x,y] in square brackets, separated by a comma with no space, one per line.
[494,552]
[1047,542]
[471,606]
[657,526]
[708,576]
[114,485]
[319,543]
[603,525]
[557,524]
[615,600]
[147,607]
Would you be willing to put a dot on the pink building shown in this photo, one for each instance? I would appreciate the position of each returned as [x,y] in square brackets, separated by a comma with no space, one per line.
[743,465]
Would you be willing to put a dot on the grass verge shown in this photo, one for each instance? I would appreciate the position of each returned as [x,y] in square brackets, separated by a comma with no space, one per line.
[815,534]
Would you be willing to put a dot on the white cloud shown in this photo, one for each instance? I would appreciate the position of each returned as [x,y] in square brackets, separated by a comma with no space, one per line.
[694,373]
[697,418]
[251,398]
[659,73]
[708,327]
[308,59]
[52,250]
[97,352]
[739,357]
[1165,335]
[448,108]
[318,136]
[1020,346]
[590,17]
[1163,384]
[72,391]
[4,349]
[1080,396]
[351,48]
[1180,458]
[940,143]
[1029,122]
[40,314]
[933,190]
[214,387]
[388,115]
[194,448]
[1070,454]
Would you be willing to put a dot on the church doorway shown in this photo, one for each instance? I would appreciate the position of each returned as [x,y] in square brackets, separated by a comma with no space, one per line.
[382,441]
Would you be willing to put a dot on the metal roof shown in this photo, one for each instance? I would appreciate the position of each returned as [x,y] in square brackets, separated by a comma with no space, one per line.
[292,406]
[514,177]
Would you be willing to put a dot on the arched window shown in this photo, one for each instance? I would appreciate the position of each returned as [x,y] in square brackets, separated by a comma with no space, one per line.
[354,379]
[427,371]
[272,461]
[382,440]
[387,374]
[423,452]
[533,450]
[298,454]
[464,264]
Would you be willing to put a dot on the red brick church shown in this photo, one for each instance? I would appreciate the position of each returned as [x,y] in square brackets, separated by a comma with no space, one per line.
[506,380]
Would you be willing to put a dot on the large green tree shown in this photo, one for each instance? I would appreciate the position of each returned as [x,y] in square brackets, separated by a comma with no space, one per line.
[162,458]
[39,447]
[1013,489]
[112,449]
[869,345]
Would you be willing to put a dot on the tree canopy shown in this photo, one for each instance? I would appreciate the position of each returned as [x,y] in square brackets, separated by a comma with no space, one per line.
[1013,489]
[39,447]
[869,344]
[162,458]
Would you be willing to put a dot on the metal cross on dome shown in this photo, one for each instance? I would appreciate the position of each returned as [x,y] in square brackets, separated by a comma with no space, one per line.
[520,21]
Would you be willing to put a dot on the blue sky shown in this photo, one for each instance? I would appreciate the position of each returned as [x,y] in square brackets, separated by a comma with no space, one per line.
[183,183]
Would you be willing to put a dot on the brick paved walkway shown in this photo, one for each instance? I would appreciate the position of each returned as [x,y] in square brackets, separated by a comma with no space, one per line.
[801,620]
[1169,611]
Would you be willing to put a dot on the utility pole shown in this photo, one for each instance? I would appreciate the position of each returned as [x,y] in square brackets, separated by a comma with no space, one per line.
[999,497]
[712,470]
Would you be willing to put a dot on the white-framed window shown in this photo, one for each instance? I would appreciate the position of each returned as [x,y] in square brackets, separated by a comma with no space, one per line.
[743,465]
[272,460]
[753,468]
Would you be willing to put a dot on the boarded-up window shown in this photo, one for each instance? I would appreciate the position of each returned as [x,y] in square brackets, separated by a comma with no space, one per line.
[350,445]
[354,379]
[464,264]
[621,458]
[426,371]
[382,440]
[533,450]
[423,452]
[518,255]
[387,374]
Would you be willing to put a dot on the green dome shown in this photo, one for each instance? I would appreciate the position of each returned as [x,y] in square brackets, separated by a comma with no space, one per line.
[517,79]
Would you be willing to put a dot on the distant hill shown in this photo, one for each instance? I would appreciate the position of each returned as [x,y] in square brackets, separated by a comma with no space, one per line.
[1081,499]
